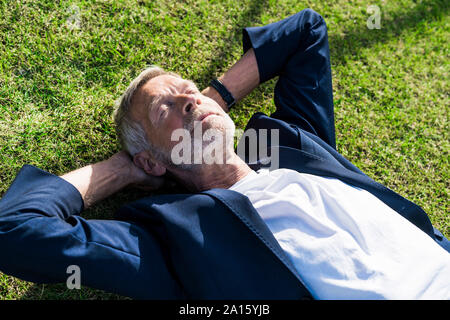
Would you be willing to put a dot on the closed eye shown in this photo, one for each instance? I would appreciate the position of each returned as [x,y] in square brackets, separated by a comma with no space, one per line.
[163,112]
[167,104]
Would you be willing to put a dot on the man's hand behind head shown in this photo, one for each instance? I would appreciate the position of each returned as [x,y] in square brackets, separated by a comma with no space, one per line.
[138,178]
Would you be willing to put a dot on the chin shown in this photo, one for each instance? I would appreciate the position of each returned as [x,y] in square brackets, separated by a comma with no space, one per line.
[219,126]
[222,123]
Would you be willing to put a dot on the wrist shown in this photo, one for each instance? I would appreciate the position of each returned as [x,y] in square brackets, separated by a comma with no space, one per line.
[120,166]
[223,91]
[99,180]
[212,93]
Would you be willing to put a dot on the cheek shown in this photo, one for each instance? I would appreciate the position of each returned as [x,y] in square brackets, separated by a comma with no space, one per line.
[167,128]
[172,123]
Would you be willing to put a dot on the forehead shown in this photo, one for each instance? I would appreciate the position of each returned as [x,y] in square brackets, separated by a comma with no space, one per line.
[164,84]
[159,84]
[154,88]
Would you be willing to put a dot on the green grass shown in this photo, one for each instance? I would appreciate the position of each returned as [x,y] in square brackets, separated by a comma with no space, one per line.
[58,86]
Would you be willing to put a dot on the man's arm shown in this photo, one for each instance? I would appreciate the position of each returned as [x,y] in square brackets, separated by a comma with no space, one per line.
[100,180]
[42,234]
[240,79]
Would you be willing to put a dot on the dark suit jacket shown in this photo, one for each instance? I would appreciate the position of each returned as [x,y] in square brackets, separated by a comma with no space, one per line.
[210,245]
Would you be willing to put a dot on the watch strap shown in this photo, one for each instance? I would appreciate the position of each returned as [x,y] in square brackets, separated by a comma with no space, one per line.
[224,93]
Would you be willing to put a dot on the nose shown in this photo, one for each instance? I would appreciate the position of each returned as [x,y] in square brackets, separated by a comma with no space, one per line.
[188,103]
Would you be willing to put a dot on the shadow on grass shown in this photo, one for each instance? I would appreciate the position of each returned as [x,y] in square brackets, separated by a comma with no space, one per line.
[341,48]
[248,18]
[393,24]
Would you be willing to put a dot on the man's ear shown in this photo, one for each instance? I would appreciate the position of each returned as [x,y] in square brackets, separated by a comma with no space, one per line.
[146,162]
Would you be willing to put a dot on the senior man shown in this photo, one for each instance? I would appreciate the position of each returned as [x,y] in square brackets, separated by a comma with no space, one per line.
[317,227]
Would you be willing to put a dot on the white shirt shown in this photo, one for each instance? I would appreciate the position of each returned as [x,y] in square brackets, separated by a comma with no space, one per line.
[344,242]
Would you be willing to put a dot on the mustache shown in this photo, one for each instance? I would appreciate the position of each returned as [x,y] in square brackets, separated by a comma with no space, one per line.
[188,122]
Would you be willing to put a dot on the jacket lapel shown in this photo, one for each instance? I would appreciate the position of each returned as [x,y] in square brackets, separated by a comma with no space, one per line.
[244,211]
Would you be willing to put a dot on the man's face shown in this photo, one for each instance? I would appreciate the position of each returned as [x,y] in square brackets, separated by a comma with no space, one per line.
[166,103]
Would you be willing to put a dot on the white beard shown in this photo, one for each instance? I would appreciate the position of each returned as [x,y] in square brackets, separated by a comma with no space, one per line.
[214,145]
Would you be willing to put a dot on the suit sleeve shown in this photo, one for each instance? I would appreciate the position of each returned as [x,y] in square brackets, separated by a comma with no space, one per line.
[42,234]
[296,50]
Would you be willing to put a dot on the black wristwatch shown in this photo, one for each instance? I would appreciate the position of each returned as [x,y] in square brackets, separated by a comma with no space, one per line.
[224,93]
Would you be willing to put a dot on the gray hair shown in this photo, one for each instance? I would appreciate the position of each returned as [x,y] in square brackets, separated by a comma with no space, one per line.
[131,134]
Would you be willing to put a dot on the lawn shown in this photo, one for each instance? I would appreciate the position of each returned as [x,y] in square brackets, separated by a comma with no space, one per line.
[64,63]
